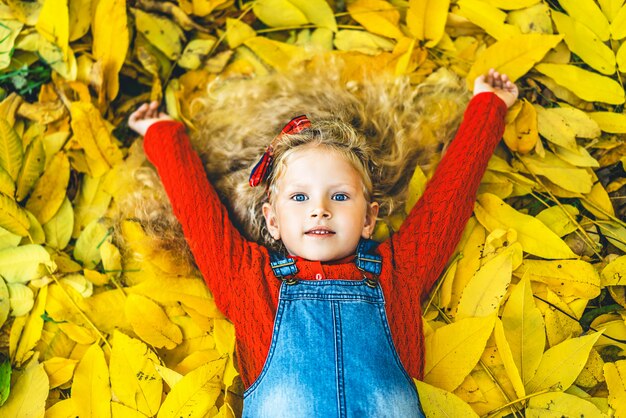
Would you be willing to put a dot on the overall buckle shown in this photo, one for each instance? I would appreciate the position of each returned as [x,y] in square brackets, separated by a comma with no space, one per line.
[284,268]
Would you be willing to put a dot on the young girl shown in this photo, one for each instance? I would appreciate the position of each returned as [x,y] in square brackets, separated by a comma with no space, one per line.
[331,325]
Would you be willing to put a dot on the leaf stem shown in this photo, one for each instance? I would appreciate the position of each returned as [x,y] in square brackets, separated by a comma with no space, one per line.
[503,407]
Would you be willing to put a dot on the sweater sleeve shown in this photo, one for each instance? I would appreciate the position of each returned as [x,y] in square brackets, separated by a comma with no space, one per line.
[223,256]
[432,230]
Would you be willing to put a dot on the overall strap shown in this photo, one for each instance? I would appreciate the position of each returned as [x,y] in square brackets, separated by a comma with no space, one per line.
[283,267]
[367,258]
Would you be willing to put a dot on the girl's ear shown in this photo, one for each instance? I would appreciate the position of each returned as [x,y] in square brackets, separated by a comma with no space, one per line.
[271,221]
[370,220]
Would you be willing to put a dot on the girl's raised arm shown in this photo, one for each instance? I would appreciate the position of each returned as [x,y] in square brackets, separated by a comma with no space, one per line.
[221,253]
[426,240]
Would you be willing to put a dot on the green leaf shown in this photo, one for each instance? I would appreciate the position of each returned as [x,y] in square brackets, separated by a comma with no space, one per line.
[5,380]
[11,152]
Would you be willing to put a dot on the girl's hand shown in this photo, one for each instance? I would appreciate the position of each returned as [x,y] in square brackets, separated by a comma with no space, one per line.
[498,84]
[145,115]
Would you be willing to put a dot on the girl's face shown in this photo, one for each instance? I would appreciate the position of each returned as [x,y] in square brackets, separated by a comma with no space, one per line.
[320,211]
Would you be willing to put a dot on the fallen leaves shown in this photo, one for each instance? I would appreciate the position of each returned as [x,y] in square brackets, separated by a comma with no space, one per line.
[528,321]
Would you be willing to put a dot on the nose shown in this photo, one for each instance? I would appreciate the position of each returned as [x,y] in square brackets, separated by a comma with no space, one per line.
[320,210]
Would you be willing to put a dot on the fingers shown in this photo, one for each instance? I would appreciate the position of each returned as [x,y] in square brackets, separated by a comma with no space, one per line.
[145,111]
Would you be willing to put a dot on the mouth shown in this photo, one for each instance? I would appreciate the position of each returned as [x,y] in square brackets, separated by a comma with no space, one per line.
[320,231]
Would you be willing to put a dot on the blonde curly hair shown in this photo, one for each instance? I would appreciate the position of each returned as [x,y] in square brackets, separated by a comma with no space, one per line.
[391,124]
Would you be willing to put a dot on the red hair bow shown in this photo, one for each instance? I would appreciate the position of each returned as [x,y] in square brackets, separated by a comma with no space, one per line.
[262,169]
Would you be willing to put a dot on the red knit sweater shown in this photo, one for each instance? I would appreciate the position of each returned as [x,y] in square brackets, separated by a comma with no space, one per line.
[238,272]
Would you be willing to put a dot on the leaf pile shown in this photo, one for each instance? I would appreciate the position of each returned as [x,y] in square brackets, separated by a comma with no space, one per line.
[529,317]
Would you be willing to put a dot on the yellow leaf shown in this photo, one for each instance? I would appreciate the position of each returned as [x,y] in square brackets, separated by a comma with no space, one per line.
[317,12]
[524,330]
[90,388]
[150,323]
[7,185]
[534,236]
[32,329]
[59,370]
[49,191]
[79,18]
[62,62]
[426,20]
[559,404]
[5,303]
[534,19]
[504,349]
[438,403]
[521,132]
[558,171]
[512,4]
[614,232]
[237,32]
[453,350]
[168,290]
[11,152]
[58,230]
[87,248]
[584,43]
[21,299]
[9,30]
[513,56]
[24,263]
[110,41]
[482,295]
[119,410]
[360,41]
[111,259]
[599,203]
[562,125]
[561,364]
[277,54]
[618,24]
[377,16]
[417,185]
[620,57]
[164,34]
[134,380]
[565,277]
[91,204]
[224,334]
[469,263]
[78,334]
[28,395]
[279,13]
[580,157]
[615,374]
[614,273]
[487,17]
[32,167]
[93,136]
[557,220]
[610,121]
[195,52]
[170,376]
[54,25]
[62,409]
[195,393]
[589,14]
[12,217]
[585,84]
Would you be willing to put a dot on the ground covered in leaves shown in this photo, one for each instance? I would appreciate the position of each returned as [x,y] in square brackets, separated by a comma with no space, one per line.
[528,319]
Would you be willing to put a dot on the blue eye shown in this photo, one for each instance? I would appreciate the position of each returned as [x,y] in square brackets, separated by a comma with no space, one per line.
[299,197]
[340,197]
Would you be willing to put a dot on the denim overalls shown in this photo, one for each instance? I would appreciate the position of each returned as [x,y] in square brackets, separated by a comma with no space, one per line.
[331,353]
